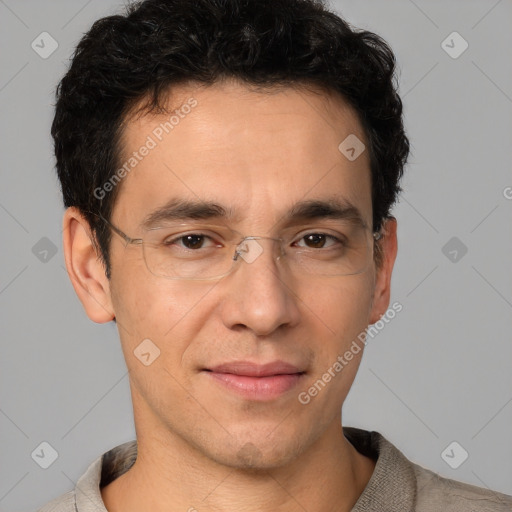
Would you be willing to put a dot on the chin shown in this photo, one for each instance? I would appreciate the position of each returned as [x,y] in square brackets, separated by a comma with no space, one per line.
[256,455]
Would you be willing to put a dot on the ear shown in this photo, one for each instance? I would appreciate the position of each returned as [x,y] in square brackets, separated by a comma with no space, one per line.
[382,290]
[85,268]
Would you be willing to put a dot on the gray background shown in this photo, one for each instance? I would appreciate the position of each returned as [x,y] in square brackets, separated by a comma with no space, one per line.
[439,372]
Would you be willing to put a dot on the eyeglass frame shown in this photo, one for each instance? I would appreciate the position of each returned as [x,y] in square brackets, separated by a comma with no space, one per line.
[376,235]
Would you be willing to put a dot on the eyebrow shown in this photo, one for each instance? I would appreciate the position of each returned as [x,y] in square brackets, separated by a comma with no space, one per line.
[312,209]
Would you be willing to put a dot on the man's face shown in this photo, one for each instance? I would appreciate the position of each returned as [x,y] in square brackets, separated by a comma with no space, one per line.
[257,154]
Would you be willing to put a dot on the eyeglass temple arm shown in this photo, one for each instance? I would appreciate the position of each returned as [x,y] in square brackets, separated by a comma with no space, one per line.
[116,230]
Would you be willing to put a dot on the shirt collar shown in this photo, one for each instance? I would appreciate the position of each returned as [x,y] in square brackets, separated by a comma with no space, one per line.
[392,486]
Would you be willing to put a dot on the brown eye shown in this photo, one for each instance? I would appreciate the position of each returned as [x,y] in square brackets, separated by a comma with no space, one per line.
[315,240]
[318,240]
[193,241]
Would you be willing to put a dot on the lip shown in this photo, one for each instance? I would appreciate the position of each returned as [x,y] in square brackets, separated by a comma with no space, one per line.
[259,382]
[250,369]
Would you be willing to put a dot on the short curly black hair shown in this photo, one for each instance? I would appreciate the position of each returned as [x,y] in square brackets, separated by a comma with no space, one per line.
[125,59]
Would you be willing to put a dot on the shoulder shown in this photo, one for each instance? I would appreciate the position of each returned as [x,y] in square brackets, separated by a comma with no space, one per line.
[435,492]
[86,497]
[64,503]
[400,485]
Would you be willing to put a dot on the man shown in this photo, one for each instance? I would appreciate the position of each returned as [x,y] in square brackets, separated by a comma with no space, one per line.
[229,168]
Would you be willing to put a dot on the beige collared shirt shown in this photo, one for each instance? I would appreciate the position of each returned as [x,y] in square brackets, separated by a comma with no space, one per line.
[396,485]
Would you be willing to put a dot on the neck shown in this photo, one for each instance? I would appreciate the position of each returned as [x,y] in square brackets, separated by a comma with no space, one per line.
[170,475]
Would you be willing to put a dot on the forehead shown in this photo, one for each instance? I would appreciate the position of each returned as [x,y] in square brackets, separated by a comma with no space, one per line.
[256,152]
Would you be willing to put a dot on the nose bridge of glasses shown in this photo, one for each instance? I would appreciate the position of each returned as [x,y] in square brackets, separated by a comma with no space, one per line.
[249,249]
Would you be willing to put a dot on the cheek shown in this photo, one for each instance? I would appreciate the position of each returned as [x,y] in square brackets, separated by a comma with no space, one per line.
[340,312]
[342,305]
[161,310]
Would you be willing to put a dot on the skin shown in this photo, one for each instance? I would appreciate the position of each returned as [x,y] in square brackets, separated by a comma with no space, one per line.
[199,444]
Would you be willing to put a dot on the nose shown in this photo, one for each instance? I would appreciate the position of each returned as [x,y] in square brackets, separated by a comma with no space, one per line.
[259,291]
